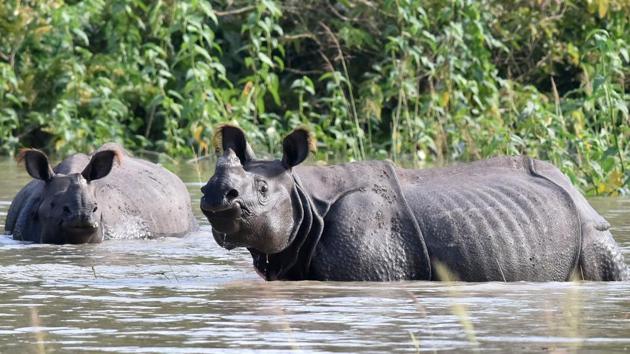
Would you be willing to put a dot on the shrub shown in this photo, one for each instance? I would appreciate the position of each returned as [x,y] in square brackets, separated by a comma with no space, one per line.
[415,81]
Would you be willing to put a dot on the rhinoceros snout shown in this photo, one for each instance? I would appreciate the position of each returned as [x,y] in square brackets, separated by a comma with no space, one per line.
[81,221]
[218,200]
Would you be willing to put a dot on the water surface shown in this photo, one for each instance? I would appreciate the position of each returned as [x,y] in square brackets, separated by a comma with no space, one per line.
[187,295]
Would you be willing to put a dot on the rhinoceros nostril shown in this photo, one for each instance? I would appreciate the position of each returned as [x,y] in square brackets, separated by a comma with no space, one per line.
[66,209]
[233,193]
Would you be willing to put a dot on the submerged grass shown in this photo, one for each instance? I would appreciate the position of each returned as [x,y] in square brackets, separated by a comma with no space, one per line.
[572,312]
[415,341]
[458,309]
[420,309]
[568,326]
[40,336]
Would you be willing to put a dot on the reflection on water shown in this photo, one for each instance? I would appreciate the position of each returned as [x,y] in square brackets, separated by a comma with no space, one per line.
[187,295]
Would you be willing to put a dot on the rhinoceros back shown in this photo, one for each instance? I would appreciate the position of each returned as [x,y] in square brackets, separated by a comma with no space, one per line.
[143,199]
[495,220]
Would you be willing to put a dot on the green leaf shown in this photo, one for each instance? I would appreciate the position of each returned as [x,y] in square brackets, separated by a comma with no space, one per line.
[265,59]
[82,36]
[273,86]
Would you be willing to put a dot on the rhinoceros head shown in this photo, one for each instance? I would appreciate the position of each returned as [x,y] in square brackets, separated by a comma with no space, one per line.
[68,210]
[248,201]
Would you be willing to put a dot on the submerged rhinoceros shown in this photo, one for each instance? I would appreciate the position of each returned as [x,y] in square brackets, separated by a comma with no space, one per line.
[503,219]
[85,199]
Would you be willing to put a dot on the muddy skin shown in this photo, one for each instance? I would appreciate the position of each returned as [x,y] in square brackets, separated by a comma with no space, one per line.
[89,198]
[502,219]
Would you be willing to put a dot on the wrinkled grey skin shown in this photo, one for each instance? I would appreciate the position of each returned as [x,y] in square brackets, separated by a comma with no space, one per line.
[89,198]
[503,219]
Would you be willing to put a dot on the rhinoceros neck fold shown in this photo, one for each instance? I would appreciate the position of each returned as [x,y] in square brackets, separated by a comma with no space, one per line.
[293,263]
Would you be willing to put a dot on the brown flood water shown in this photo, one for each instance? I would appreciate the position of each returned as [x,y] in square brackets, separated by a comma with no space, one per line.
[187,295]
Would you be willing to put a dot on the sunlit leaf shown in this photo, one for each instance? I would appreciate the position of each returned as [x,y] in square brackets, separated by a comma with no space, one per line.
[265,59]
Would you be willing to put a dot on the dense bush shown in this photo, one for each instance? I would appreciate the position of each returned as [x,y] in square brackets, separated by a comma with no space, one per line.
[415,81]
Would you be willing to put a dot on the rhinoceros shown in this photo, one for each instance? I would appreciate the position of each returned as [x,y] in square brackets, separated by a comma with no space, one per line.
[88,198]
[502,219]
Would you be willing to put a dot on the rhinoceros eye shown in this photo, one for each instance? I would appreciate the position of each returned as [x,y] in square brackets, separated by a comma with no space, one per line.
[262,191]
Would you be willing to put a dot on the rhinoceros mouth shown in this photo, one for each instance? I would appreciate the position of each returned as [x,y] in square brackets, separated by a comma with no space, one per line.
[230,211]
[226,220]
[223,239]
[76,234]
[80,228]
[221,209]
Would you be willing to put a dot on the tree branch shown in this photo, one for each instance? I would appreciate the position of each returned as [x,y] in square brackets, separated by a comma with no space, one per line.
[234,11]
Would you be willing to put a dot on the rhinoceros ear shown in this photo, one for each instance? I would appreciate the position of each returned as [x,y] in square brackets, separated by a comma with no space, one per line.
[296,147]
[231,137]
[36,163]
[101,164]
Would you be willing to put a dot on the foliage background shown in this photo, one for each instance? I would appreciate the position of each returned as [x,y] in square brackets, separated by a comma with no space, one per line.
[415,81]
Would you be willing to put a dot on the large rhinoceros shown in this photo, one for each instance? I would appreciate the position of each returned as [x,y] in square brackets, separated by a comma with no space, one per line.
[85,199]
[503,219]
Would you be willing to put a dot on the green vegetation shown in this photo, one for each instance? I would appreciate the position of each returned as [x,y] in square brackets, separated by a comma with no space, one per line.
[415,81]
